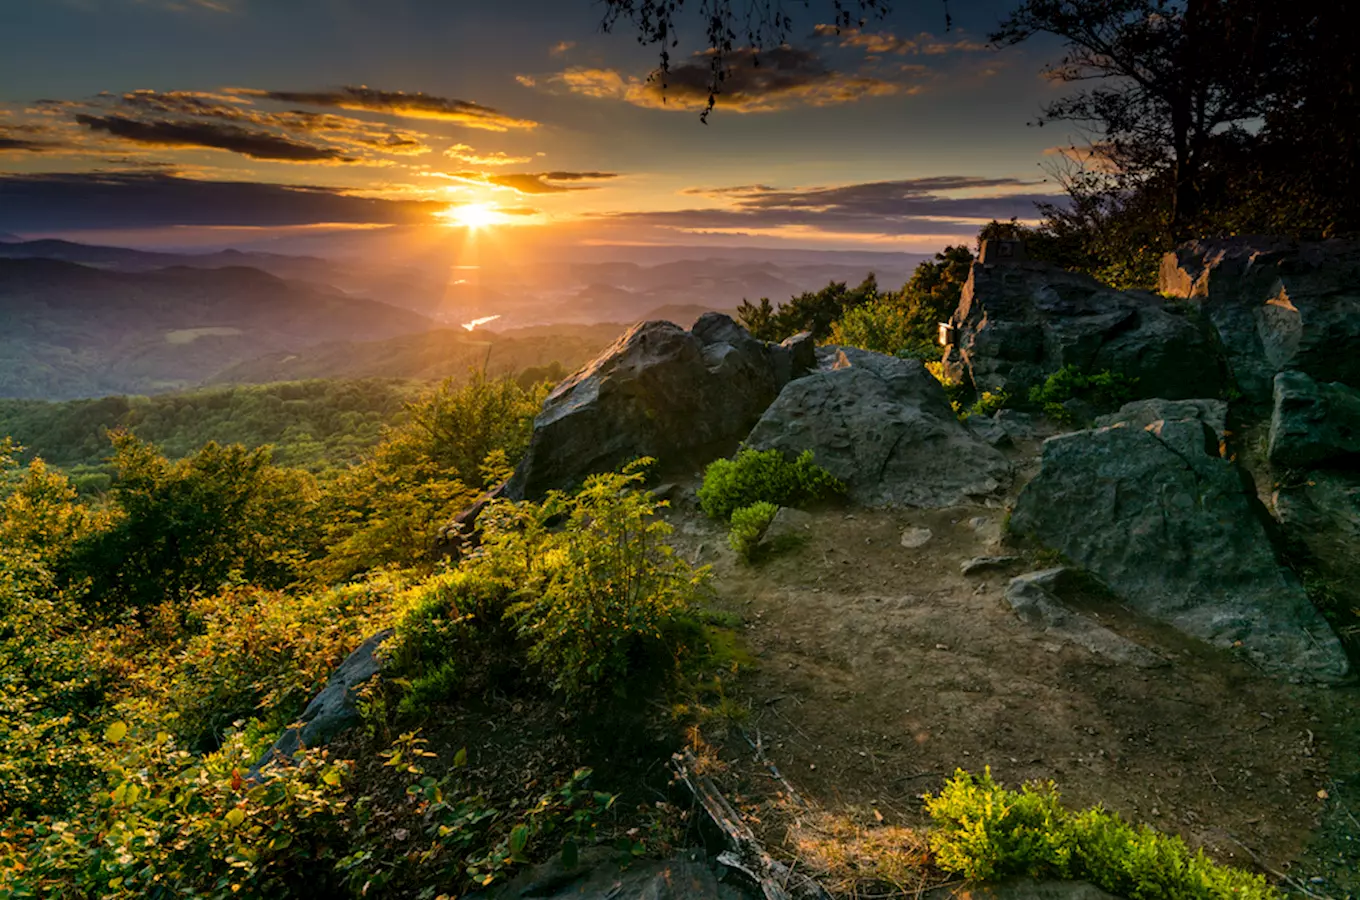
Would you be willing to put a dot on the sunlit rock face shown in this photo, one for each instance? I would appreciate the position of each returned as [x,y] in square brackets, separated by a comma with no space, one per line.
[1275,305]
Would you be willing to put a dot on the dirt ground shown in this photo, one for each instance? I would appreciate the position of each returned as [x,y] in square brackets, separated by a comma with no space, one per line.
[881,669]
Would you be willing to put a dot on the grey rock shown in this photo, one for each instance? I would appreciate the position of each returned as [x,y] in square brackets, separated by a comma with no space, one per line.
[683,398]
[1019,425]
[1142,413]
[1321,515]
[598,876]
[915,538]
[1020,889]
[988,430]
[1313,424]
[884,427]
[979,564]
[331,711]
[803,352]
[1275,306]
[1177,532]
[788,525]
[1019,323]
[1034,601]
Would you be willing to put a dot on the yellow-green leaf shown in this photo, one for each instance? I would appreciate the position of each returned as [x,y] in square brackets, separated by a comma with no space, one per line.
[116,732]
[235,817]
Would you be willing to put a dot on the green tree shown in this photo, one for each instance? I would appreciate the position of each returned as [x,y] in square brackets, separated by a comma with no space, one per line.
[809,311]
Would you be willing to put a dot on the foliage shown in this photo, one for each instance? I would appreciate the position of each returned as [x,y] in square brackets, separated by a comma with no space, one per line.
[989,403]
[748,526]
[764,475]
[810,311]
[1103,390]
[988,833]
[223,515]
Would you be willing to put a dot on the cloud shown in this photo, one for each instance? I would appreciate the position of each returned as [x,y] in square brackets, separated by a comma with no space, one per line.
[76,201]
[885,43]
[538,182]
[465,154]
[255,144]
[941,205]
[9,144]
[764,81]
[399,103]
[561,47]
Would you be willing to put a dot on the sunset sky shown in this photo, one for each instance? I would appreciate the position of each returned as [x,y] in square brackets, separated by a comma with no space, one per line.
[180,121]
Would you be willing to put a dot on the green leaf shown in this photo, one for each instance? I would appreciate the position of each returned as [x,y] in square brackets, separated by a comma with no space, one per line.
[116,732]
[235,817]
[571,855]
[460,758]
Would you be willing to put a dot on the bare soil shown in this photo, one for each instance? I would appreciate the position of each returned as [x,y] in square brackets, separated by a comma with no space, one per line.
[881,669]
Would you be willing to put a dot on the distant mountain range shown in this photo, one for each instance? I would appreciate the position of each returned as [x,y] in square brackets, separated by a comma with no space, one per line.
[68,330]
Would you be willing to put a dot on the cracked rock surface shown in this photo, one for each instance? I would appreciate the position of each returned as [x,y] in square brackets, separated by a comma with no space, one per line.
[1178,534]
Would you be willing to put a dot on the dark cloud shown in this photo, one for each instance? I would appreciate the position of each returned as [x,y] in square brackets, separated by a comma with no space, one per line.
[8,144]
[63,202]
[539,182]
[399,103]
[755,81]
[914,206]
[217,136]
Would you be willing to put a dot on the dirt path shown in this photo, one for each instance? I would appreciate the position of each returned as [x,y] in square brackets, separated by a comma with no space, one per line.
[882,668]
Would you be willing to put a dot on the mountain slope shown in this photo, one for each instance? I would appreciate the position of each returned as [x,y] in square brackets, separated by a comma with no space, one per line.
[68,330]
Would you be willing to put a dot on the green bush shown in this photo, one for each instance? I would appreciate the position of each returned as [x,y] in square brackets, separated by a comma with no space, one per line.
[764,475]
[987,833]
[1104,390]
[748,526]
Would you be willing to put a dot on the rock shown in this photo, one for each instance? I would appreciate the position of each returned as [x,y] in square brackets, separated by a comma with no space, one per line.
[802,351]
[1142,413]
[331,711]
[914,538]
[988,430]
[1016,324]
[1321,516]
[980,564]
[1020,889]
[1019,425]
[598,876]
[1313,424]
[1178,534]
[1034,601]
[988,530]
[1275,306]
[884,427]
[788,525]
[681,397]
[463,534]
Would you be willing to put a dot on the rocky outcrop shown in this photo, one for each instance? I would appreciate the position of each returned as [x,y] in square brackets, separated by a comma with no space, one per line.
[1313,424]
[1142,413]
[1275,306]
[1177,532]
[1034,600]
[1018,323]
[883,426]
[681,397]
[333,710]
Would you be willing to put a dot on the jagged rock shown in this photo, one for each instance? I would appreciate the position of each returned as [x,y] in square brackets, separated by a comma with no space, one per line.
[1142,413]
[1018,425]
[1016,324]
[1034,601]
[884,427]
[681,397]
[1313,424]
[1275,305]
[333,710]
[988,430]
[1321,515]
[1178,533]
[598,876]
[787,525]
[980,564]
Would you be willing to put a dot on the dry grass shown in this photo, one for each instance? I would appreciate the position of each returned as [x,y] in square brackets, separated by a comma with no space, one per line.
[855,855]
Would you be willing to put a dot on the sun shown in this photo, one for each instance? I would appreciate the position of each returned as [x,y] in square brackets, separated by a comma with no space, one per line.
[475,216]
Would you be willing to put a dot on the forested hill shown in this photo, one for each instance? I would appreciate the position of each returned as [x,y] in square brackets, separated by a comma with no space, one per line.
[314,425]
[432,355]
[69,331]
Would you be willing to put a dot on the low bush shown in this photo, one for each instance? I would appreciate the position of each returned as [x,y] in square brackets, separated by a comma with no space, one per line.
[748,526]
[987,833]
[1106,391]
[764,475]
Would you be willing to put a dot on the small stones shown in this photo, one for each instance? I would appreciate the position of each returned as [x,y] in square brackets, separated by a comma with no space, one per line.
[914,538]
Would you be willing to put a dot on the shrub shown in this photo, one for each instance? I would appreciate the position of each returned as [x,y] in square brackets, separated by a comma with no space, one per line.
[764,475]
[986,833]
[1104,390]
[988,404]
[748,526]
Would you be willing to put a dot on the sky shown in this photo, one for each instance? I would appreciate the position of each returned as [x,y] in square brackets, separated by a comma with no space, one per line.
[219,122]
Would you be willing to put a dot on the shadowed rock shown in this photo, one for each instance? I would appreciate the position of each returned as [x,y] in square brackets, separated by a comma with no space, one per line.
[1313,424]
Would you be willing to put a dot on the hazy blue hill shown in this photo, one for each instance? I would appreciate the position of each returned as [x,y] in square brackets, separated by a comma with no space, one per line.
[431,355]
[68,330]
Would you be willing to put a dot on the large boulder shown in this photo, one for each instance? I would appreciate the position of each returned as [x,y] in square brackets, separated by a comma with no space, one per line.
[681,397]
[1321,517]
[1177,532]
[1313,424]
[1275,305]
[1018,323]
[883,426]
